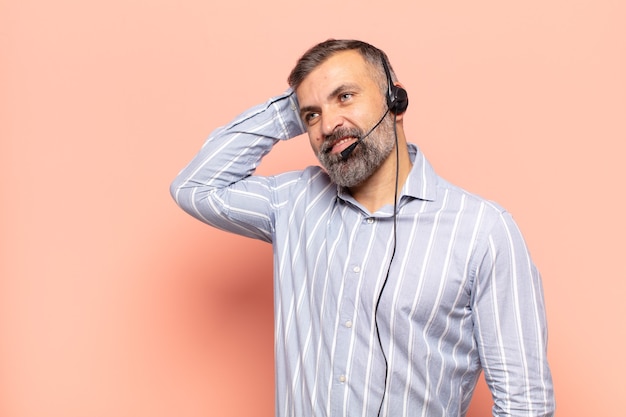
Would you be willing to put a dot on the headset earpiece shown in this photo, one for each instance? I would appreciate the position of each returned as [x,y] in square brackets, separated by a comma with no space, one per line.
[399,100]
[397,97]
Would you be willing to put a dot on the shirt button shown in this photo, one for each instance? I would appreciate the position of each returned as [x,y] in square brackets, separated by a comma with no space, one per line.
[349,324]
[357,269]
[370,220]
[342,378]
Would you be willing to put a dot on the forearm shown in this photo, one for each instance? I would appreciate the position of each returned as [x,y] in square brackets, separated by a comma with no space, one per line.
[231,154]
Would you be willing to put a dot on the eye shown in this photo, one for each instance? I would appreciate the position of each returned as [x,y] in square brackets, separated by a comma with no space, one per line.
[309,118]
[345,96]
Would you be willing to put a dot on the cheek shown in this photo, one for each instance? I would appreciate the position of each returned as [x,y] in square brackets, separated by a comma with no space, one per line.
[315,141]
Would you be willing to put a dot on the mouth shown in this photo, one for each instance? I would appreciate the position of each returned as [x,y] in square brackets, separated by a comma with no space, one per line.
[340,145]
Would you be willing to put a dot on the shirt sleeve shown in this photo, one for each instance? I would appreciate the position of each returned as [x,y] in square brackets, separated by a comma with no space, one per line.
[510,325]
[217,186]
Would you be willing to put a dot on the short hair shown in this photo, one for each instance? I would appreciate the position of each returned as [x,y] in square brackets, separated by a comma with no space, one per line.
[319,53]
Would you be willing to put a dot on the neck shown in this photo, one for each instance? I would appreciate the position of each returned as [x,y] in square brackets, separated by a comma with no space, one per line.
[380,189]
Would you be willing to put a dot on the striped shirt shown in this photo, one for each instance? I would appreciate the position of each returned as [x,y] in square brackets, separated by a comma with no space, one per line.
[462,295]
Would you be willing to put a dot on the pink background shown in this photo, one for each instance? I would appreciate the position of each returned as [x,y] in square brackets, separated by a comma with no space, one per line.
[113,302]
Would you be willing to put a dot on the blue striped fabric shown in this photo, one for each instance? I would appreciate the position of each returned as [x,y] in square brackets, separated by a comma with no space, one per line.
[462,295]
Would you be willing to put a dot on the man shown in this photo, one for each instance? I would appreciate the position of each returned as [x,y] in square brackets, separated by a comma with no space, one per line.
[393,288]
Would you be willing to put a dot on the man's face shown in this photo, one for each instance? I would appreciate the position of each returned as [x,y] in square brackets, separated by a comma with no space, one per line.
[340,101]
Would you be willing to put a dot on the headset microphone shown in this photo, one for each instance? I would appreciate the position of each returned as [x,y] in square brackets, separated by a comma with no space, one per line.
[346,152]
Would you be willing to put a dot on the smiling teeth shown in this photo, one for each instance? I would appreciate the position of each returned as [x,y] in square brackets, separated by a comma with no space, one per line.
[342,141]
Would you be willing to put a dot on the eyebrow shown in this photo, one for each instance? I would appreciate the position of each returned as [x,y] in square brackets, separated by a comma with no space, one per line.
[335,92]
[304,110]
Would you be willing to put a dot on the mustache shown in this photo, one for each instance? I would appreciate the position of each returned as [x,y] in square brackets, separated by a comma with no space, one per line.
[339,133]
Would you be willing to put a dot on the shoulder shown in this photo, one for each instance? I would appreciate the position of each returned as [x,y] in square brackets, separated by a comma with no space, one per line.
[488,209]
[487,222]
[311,180]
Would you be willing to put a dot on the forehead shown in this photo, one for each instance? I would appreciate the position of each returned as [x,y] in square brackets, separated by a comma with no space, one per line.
[342,67]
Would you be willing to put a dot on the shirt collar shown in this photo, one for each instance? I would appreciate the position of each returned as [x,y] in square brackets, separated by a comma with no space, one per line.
[422,180]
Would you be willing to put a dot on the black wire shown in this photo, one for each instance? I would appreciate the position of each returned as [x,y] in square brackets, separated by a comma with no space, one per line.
[393,253]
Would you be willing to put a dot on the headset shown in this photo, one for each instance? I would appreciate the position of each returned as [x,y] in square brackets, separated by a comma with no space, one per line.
[397,103]
[397,97]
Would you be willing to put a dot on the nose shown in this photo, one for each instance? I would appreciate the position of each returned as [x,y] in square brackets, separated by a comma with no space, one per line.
[330,122]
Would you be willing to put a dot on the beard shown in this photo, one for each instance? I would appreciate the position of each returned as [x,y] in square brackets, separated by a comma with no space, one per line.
[364,160]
